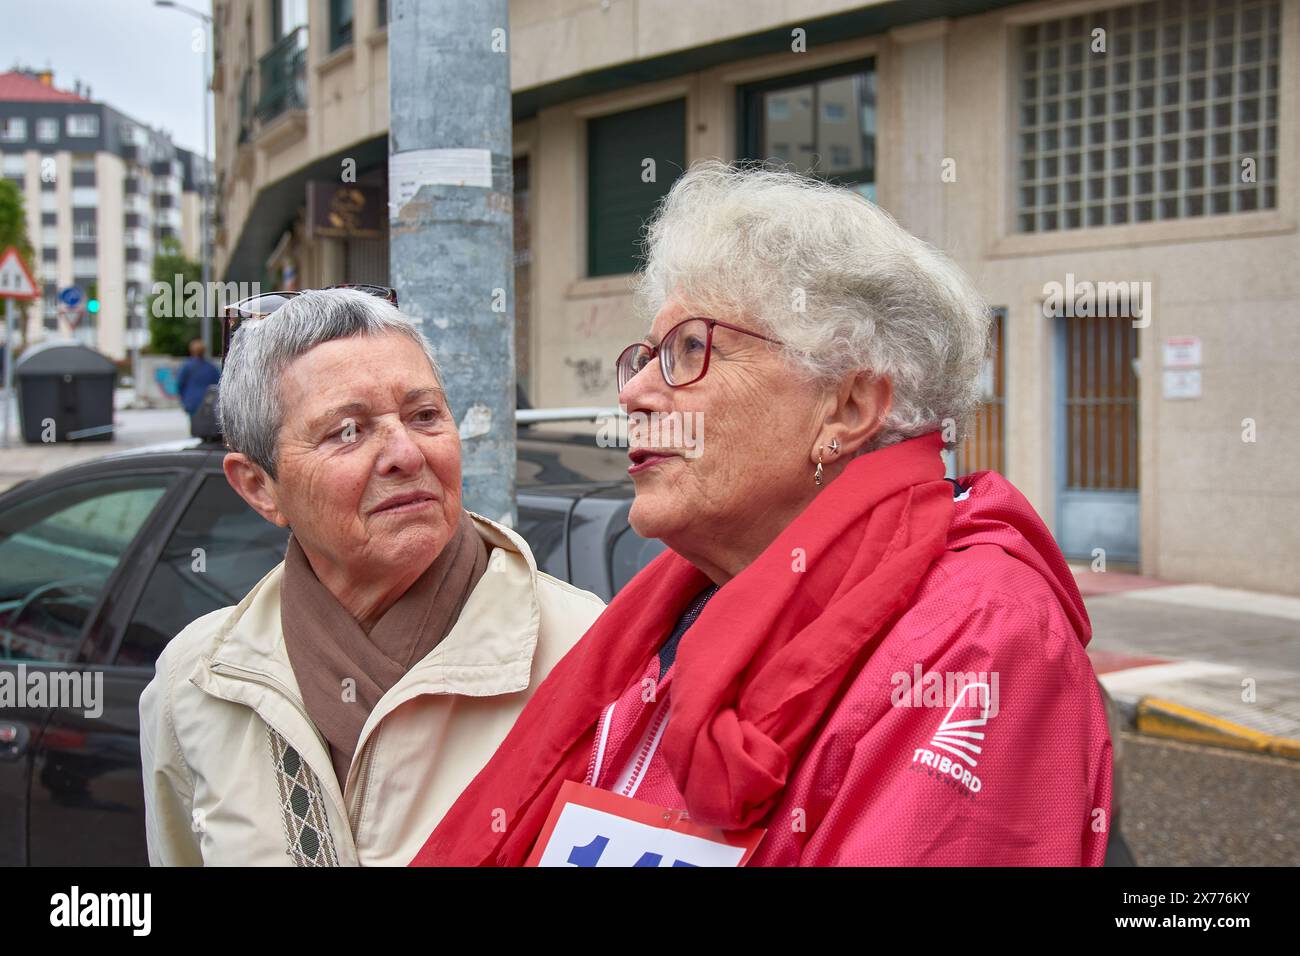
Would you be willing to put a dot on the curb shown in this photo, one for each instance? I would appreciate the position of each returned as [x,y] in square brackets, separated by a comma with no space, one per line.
[1164,718]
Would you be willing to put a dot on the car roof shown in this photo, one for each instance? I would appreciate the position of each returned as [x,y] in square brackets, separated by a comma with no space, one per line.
[559,463]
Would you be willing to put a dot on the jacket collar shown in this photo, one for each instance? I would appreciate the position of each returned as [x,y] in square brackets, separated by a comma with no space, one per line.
[489,651]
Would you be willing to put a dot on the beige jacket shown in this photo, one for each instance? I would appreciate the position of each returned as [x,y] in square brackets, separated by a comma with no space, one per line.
[235,773]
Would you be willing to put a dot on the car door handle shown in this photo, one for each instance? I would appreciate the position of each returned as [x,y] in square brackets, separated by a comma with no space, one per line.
[13,741]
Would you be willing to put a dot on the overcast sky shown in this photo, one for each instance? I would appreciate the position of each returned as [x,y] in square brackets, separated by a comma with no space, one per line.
[136,57]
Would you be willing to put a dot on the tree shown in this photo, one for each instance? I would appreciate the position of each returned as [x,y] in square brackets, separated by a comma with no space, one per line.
[170,329]
[13,220]
[13,232]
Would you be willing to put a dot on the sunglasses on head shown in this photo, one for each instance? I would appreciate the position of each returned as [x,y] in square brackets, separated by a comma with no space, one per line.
[260,306]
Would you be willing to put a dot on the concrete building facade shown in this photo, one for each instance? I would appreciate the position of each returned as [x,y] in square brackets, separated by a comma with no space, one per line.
[1119,178]
[102,191]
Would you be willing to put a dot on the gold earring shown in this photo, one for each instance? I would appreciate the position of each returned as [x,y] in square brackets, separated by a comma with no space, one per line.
[817,475]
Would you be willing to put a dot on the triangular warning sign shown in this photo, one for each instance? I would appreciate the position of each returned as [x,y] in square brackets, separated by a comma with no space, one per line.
[15,281]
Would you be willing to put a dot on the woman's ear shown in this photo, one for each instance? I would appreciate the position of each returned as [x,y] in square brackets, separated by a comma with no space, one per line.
[253,485]
[860,406]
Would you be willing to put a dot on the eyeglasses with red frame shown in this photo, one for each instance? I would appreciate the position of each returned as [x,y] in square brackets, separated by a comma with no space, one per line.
[260,306]
[683,352]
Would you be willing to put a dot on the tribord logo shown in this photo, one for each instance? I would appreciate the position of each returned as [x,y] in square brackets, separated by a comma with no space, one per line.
[959,737]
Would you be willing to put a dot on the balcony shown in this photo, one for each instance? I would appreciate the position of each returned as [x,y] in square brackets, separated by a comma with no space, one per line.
[282,76]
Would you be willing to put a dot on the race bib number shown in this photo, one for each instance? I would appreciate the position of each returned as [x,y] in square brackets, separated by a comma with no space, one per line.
[590,827]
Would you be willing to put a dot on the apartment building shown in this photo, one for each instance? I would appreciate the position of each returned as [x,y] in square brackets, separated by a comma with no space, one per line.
[1119,177]
[102,191]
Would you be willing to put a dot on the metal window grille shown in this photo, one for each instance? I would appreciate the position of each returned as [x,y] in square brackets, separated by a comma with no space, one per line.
[1178,118]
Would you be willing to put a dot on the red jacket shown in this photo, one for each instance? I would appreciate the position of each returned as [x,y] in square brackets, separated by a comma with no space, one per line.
[1007,761]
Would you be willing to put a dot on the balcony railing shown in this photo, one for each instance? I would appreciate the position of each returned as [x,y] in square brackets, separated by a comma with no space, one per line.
[282,75]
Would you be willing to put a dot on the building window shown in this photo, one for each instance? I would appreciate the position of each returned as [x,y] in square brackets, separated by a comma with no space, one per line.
[1178,118]
[49,219]
[287,16]
[83,231]
[340,23]
[383,13]
[13,129]
[47,130]
[822,123]
[49,255]
[623,152]
[83,124]
[984,445]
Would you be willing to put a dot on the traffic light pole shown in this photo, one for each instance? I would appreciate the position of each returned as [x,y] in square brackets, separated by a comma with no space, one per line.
[9,366]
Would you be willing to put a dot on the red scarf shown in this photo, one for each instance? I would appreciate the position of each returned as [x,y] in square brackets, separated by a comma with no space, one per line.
[755,674]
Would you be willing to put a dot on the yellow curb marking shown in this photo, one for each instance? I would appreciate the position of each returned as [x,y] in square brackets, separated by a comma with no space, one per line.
[1164,718]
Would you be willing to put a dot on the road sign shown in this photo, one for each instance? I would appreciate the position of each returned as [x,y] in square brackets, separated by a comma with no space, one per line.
[70,296]
[15,281]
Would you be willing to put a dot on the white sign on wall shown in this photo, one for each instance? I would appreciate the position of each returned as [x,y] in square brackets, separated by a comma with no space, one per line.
[1183,352]
[1182,383]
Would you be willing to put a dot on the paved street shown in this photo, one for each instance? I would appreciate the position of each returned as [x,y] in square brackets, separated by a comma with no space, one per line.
[1227,660]
[1187,805]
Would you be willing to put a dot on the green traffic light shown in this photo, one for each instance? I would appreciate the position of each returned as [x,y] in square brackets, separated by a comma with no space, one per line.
[92,306]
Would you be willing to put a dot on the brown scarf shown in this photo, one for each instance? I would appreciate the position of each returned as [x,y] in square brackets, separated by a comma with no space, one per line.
[327,646]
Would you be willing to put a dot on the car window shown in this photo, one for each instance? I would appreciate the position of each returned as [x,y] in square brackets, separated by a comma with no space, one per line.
[57,552]
[221,547]
[559,458]
[543,529]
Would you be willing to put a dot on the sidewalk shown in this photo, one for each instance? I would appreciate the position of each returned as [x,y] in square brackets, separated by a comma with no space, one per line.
[1198,663]
[136,427]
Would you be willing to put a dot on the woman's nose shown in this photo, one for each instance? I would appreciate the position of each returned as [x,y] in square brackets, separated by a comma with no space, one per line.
[644,387]
[399,450]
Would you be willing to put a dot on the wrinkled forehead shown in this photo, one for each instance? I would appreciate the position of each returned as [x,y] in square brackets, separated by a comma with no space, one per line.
[370,370]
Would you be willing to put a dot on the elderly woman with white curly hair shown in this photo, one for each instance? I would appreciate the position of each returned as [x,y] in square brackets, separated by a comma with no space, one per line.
[843,658]
[336,712]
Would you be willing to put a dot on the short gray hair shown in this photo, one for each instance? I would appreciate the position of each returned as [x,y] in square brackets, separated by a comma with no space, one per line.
[759,241]
[249,398]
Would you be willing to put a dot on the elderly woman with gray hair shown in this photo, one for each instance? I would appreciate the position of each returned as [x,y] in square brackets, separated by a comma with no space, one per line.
[335,713]
[843,658]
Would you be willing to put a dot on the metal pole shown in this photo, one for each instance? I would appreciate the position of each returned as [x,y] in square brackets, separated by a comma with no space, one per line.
[450,195]
[9,364]
[205,253]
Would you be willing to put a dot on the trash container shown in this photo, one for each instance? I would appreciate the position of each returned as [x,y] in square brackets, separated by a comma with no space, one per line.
[69,384]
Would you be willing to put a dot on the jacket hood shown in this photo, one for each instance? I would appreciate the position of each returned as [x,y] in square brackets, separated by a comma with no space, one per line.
[990,511]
